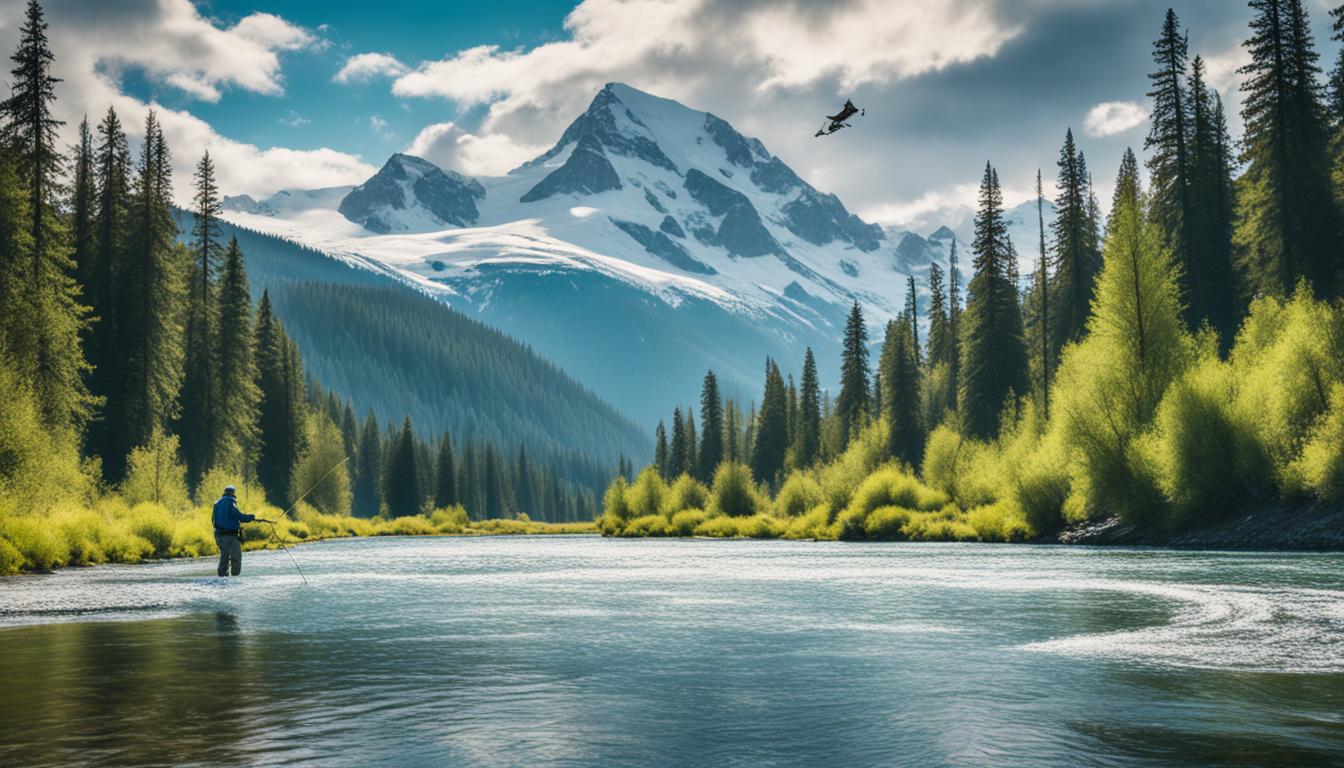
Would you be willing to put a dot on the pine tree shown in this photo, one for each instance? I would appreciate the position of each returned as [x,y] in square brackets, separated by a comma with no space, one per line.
[772,431]
[1288,223]
[676,455]
[147,369]
[368,461]
[526,488]
[1043,295]
[900,372]
[494,486]
[1075,260]
[1169,137]
[661,460]
[1210,281]
[711,421]
[692,460]
[953,327]
[852,404]
[83,200]
[280,408]
[912,315]
[938,320]
[401,484]
[732,442]
[111,229]
[200,420]
[237,405]
[994,358]
[42,319]
[349,427]
[807,444]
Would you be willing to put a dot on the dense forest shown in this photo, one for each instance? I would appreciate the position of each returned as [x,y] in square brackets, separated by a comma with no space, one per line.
[1177,363]
[389,347]
[140,378]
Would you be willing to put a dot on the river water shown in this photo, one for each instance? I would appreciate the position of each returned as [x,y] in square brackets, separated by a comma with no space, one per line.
[580,651]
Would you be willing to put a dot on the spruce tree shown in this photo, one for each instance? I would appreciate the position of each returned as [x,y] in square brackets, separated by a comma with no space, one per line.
[237,405]
[401,485]
[1076,263]
[368,462]
[900,374]
[147,369]
[1043,296]
[1169,137]
[1288,222]
[1210,286]
[494,486]
[732,443]
[200,420]
[938,320]
[661,460]
[676,455]
[772,431]
[43,319]
[994,359]
[692,458]
[111,233]
[912,314]
[280,407]
[711,424]
[83,200]
[807,443]
[852,404]
[953,327]
[526,490]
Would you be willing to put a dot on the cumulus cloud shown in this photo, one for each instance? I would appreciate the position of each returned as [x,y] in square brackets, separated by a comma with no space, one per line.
[94,42]
[448,146]
[1111,117]
[685,48]
[365,66]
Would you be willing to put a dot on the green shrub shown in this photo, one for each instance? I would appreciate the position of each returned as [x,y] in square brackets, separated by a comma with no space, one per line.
[814,524]
[156,475]
[615,508]
[734,493]
[998,522]
[152,523]
[685,522]
[754,527]
[39,545]
[886,524]
[1321,465]
[646,496]
[892,486]
[685,493]
[646,525]
[865,453]
[449,519]
[1040,491]
[799,493]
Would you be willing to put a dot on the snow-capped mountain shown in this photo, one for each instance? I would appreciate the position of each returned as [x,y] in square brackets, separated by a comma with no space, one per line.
[651,243]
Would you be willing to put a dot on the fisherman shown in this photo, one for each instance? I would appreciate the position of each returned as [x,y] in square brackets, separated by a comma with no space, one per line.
[229,521]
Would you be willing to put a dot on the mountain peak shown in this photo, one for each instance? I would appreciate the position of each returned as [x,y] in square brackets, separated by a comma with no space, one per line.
[410,193]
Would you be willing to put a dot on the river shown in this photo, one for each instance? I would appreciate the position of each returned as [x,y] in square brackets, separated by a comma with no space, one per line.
[581,651]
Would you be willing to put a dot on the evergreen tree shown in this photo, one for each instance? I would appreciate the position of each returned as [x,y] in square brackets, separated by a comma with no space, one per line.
[807,443]
[953,327]
[280,407]
[1170,163]
[900,372]
[526,488]
[711,422]
[238,401]
[494,486]
[772,432]
[83,200]
[912,315]
[401,484]
[1287,222]
[1043,303]
[692,453]
[200,421]
[1075,261]
[676,455]
[994,358]
[661,460]
[349,427]
[111,227]
[41,318]
[147,369]
[1210,283]
[938,320]
[368,461]
[852,404]
[732,442]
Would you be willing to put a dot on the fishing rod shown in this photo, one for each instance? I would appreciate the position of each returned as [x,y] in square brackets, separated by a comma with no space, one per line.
[285,514]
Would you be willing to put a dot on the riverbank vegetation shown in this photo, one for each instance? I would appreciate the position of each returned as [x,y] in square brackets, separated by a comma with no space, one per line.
[138,377]
[1171,368]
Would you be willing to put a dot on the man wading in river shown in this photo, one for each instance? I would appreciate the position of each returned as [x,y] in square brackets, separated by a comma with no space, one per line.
[229,521]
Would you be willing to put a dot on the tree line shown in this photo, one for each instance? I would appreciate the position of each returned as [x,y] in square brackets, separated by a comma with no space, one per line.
[122,337]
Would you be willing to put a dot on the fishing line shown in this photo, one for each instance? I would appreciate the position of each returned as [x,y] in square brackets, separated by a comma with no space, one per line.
[285,514]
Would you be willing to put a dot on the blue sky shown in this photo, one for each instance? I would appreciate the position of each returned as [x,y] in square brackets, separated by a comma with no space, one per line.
[308,94]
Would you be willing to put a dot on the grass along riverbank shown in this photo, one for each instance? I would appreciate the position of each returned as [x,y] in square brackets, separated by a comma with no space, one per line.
[115,531]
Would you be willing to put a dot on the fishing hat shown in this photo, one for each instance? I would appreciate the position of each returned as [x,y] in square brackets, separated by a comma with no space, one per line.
[229,490]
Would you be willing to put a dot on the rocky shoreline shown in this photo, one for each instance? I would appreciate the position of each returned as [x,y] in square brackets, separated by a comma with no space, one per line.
[1267,526]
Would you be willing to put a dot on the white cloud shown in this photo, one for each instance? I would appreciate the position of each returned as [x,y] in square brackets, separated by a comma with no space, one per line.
[684,49]
[366,66]
[170,41]
[448,146]
[380,127]
[294,119]
[1111,117]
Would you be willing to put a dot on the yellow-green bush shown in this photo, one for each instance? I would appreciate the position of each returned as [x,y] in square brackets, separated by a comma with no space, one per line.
[799,493]
[734,493]
[1321,465]
[814,524]
[685,522]
[449,519]
[759,526]
[999,522]
[646,525]
[646,495]
[686,493]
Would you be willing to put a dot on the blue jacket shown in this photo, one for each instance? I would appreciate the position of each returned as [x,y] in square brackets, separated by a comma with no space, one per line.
[228,516]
